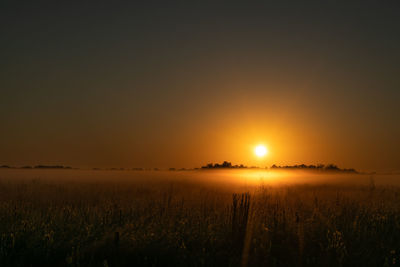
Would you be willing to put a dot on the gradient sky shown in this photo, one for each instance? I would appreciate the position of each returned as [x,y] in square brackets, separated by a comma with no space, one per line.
[178,85]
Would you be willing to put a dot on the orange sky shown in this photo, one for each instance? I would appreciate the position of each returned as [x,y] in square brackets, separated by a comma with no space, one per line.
[125,85]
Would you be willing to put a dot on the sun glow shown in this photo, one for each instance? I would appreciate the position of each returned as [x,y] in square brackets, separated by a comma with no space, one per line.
[260,151]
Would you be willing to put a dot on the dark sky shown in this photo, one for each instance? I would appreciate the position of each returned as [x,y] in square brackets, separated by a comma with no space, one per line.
[107,84]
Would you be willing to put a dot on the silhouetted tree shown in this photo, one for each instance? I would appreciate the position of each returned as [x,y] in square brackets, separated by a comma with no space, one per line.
[331,167]
[226,164]
[319,167]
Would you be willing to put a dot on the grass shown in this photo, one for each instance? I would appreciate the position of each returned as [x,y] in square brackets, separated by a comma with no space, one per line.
[172,223]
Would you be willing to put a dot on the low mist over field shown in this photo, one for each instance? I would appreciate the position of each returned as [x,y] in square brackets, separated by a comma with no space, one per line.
[224,178]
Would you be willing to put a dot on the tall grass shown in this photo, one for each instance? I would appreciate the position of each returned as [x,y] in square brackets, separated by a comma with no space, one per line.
[72,223]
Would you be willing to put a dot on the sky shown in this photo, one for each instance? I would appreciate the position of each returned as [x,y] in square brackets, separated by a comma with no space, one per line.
[181,84]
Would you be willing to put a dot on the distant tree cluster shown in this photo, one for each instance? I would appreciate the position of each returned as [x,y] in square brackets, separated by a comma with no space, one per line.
[37,167]
[320,167]
[224,165]
[51,167]
[5,167]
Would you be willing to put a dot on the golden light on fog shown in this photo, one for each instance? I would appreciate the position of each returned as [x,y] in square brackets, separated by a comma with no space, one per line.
[260,151]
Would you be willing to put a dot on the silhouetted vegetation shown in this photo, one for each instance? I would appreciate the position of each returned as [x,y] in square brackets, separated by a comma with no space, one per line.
[6,167]
[319,167]
[51,167]
[224,165]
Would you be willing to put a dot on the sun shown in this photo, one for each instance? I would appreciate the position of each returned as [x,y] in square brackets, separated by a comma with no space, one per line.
[260,151]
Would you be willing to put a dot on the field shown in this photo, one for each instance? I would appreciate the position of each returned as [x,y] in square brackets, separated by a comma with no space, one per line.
[197,218]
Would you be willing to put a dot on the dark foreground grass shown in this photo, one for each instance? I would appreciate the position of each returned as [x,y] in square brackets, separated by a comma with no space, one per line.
[178,224]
